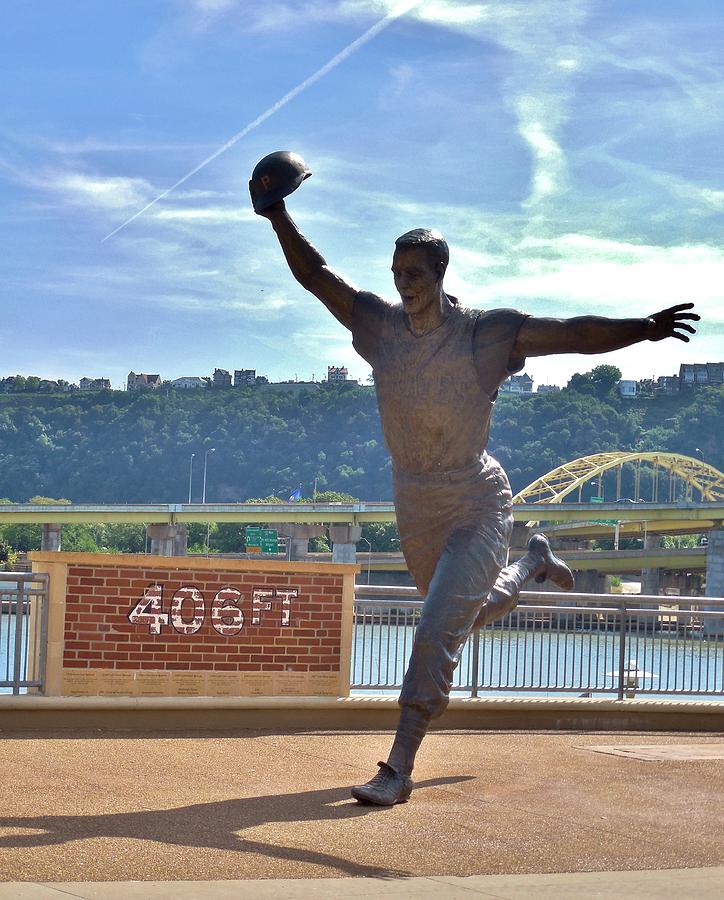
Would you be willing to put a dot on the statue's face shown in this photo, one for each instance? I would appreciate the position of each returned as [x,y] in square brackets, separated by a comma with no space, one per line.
[416,278]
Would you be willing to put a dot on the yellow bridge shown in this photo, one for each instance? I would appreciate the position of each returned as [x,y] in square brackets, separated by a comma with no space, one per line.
[696,475]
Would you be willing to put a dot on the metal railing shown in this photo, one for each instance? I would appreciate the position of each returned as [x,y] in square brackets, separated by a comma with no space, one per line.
[23,630]
[580,644]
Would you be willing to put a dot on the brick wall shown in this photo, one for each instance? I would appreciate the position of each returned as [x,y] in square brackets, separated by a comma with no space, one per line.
[134,625]
[98,633]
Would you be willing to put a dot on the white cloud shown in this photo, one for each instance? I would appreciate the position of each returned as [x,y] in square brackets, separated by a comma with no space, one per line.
[578,274]
[452,12]
[251,16]
[274,17]
[92,145]
[705,199]
[206,215]
[203,13]
[546,48]
[81,188]
[103,192]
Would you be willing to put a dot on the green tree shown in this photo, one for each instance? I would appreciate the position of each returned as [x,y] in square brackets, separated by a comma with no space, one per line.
[382,536]
[599,382]
[8,556]
[121,537]
[119,447]
[22,537]
[604,379]
[81,538]
[333,497]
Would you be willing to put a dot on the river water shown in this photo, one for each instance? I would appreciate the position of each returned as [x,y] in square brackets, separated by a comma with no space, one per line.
[532,663]
[553,663]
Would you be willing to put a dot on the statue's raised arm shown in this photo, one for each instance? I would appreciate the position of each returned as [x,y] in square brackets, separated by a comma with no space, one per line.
[275,177]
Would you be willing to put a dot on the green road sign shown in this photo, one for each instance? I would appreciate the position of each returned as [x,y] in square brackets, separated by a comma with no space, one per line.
[252,539]
[269,540]
[261,540]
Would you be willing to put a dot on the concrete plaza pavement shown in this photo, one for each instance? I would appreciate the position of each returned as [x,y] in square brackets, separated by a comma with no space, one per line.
[495,814]
[684,884]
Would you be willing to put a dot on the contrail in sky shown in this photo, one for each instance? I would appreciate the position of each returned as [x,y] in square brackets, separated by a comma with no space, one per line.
[400,10]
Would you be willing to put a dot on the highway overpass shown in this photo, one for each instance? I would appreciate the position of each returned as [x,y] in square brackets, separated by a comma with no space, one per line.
[609,561]
[673,517]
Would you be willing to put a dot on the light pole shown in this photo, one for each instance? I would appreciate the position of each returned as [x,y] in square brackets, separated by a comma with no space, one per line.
[203,495]
[206,462]
[369,557]
[191,472]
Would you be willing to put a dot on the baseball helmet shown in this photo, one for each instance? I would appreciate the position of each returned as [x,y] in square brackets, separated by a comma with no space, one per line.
[275,177]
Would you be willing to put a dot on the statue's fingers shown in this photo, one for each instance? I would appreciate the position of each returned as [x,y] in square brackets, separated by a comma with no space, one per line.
[680,306]
[693,316]
[681,337]
[686,327]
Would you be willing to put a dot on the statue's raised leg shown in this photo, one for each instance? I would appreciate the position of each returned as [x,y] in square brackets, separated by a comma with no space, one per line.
[539,563]
[452,608]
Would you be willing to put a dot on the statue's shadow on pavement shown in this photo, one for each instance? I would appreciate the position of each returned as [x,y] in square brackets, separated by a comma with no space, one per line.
[216,825]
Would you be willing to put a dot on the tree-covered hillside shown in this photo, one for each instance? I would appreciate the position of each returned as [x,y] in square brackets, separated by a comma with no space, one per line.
[118,447]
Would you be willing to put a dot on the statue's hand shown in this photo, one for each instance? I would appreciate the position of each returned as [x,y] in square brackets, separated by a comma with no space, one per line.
[670,323]
[270,211]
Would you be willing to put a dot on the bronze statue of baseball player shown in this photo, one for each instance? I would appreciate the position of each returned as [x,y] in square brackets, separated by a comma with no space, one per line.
[437,369]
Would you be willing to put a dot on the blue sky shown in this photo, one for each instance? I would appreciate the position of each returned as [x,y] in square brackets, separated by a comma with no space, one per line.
[569,150]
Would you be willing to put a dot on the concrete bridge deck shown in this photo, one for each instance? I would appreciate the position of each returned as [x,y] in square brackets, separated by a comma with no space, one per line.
[615,561]
[705,514]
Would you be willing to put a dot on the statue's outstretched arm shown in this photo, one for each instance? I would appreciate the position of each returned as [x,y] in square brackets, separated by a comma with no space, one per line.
[595,334]
[309,267]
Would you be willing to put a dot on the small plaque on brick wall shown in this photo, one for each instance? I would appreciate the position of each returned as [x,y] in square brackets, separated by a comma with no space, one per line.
[153,684]
[256,684]
[188,684]
[290,684]
[323,684]
[80,684]
[116,684]
[223,684]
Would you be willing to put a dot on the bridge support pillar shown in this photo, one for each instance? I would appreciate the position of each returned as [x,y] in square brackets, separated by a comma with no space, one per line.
[590,581]
[714,627]
[299,536]
[167,540]
[50,537]
[520,537]
[651,578]
[344,542]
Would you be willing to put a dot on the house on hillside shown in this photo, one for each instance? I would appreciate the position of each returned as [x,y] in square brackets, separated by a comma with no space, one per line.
[517,384]
[667,384]
[143,382]
[221,379]
[94,384]
[700,374]
[244,377]
[188,383]
[547,389]
[337,374]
